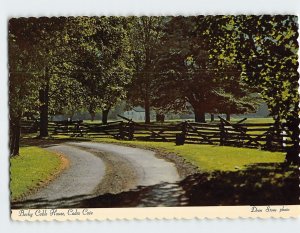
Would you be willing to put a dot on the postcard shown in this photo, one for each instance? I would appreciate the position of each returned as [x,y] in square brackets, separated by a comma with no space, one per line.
[114,117]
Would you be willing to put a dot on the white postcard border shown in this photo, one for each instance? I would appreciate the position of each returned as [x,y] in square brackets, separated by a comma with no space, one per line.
[209,212]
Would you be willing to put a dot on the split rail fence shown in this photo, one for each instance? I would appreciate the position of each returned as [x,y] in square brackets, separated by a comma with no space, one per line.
[240,134]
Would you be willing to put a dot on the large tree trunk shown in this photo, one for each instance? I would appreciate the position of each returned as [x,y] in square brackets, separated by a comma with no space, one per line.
[147,111]
[227,116]
[105,115]
[14,135]
[44,108]
[199,115]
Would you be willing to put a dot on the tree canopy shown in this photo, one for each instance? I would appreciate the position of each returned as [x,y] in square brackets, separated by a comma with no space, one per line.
[216,64]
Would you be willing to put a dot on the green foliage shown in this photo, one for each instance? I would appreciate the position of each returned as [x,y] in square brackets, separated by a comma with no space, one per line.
[200,59]
[206,53]
[33,52]
[86,59]
[37,49]
[216,64]
[196,72]
[66,96]
[264,49]
[145,37]
[100,60]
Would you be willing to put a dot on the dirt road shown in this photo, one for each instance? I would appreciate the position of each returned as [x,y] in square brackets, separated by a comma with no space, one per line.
[100,168]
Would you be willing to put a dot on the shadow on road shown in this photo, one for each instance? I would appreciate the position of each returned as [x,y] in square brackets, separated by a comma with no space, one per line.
[164,194]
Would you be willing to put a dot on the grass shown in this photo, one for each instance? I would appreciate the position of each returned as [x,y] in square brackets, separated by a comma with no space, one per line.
[255,120]
[210,158]
[31,169]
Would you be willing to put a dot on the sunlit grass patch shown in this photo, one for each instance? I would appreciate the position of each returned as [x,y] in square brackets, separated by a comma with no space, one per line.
[30,169]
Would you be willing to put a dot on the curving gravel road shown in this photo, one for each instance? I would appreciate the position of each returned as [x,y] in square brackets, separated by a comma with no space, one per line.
[100,168]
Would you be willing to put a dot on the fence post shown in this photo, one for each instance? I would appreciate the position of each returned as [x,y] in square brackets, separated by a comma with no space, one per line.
[121,131]
[184,129]
[180,137]
[278,135]
[222,133]
[269,139]
[131,130]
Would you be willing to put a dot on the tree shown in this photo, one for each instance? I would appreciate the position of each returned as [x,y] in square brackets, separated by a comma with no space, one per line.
[45,50]
[269,55]
[268,51]
[25,72]
[19,82]
[196,71]
[101,61]
[167,95]
[231,94]
[264,50]
[199,77]
[145,40]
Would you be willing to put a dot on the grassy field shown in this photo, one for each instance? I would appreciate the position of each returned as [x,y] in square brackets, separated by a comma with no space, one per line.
[31,169]
[255,120]
[210,158]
